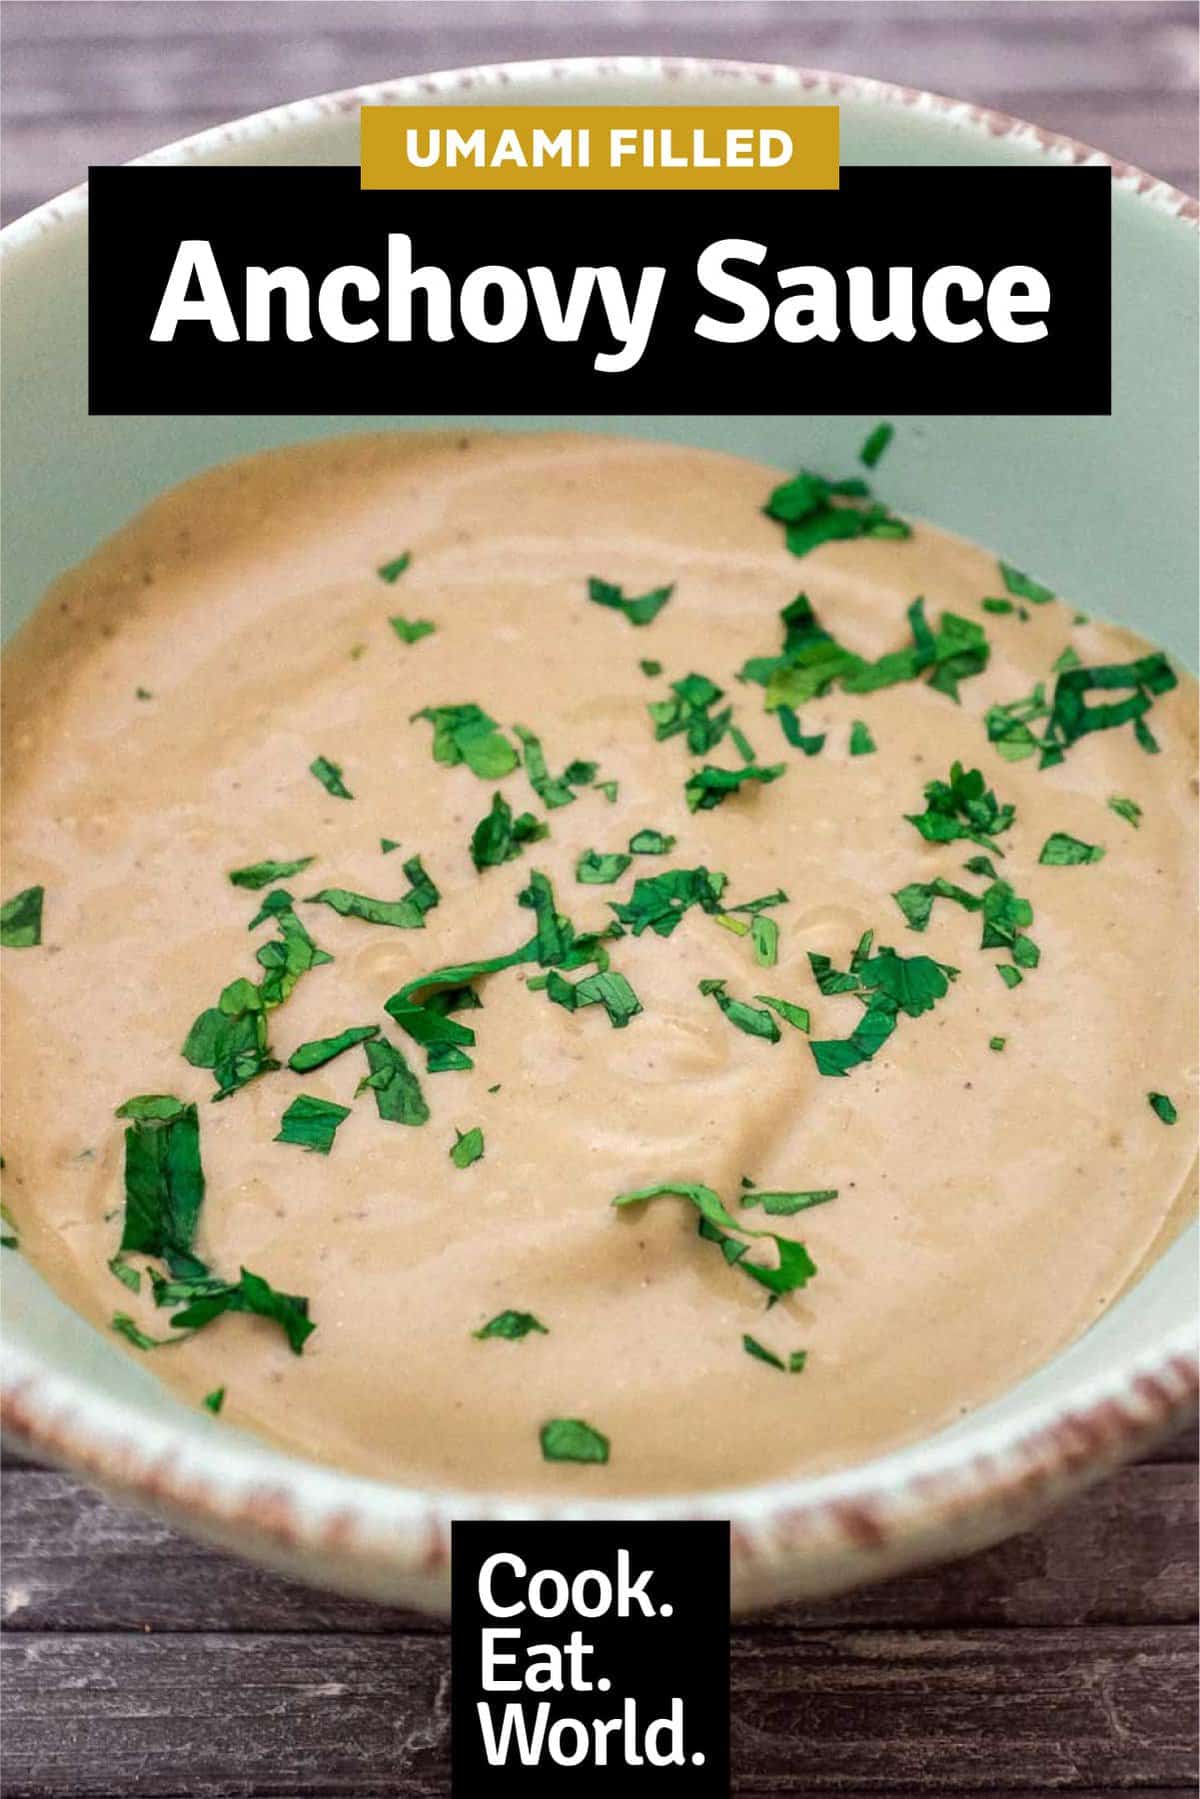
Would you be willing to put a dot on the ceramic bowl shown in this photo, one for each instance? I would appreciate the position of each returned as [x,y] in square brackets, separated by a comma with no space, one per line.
[1102,507]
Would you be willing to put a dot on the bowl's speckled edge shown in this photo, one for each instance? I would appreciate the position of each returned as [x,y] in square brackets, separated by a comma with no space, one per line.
[393,1543]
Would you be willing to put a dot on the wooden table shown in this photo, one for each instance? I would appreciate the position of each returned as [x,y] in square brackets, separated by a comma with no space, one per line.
[136,1663]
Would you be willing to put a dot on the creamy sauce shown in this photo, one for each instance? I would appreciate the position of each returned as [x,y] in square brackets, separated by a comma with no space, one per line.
[990,1205]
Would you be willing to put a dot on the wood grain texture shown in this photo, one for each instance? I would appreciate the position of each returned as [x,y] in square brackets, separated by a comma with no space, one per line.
[813,1711]
[94,82]
[1122,1554]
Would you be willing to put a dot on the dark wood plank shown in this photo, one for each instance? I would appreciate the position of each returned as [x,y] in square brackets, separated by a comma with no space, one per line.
[840,1712]
[1123,1553]
[85,83]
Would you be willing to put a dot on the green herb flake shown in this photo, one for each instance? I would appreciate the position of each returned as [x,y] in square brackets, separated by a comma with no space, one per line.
[1127,809]
[320,1050]
[793,1365]
[812,661]
[609,789]
[805,507]
[1162,1107]
[875,444]
[468,1147]
[641,611]
[764,937]
[916,900]
[648,666]
[466,734]
[250,1293]
[571,1440]
[21,919]
[397,1090]
[552,790]
[708,786]
[387,845]
[262,874]
[797,1016]
[786,1205]
[689,712]
[213,1401]
[1061,850]
[963,807]
[411,630]
[164,1179]
[1023,586]
[142,693]
[125,1272]
[861,741]
[406,913]
[126,1327]
[595,869]
[888,984]
[651,843]
[1068,659]
[1069,717]
[330,776]
[1011,976]
[499,837]
[753,1020]
[795,1267]
[511,1326]
[392,571]
[658,902]
[997,1043]
[311,1123]
[998,606]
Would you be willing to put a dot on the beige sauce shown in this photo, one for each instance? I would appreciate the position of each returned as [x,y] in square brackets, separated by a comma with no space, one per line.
[991,1205]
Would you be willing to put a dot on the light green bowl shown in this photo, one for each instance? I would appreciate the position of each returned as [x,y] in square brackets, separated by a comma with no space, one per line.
[1103,508]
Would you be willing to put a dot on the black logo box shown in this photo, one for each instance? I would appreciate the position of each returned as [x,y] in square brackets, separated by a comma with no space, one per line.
[1052,219]
[681,1653]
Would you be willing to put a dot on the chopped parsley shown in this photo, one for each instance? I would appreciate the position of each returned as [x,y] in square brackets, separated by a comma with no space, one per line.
[811,744]
[320,1050]
[231,1038]
[861,741]
[552,790]
[786,1205]
[997,1043]
[658,902]
[1000,606]
[1069,658]
[1127,809]
[651,843]
[641,611]
[262,874]
[387,845]
[596,869]
[330,776]
[797,1016]
[397,1090]
[466,734]
[311,1123]
[795,1267]
[392,571]
[1068,717]
[406,913]
[1162,1107]
[499,837]
[125,1327]
[164,1178]
[804,505]
[571,1440]
[411,630]
[1061,850]
[963,807]
[1023,586]
[125,1272]
[764,937]
[690,712]
[213,1401]
[916,900]
[607,987]
[811,660]
[250,1293]
[608,789]
[753,1020]
[708,786]
[875,444]
[468,1147]
[887,984]
[512,1326]
[1011,976]
[793,1365]
[649,666]
[21,919]
[431,1025]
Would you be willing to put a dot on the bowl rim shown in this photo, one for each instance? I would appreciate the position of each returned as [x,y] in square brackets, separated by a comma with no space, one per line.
[895,1510]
